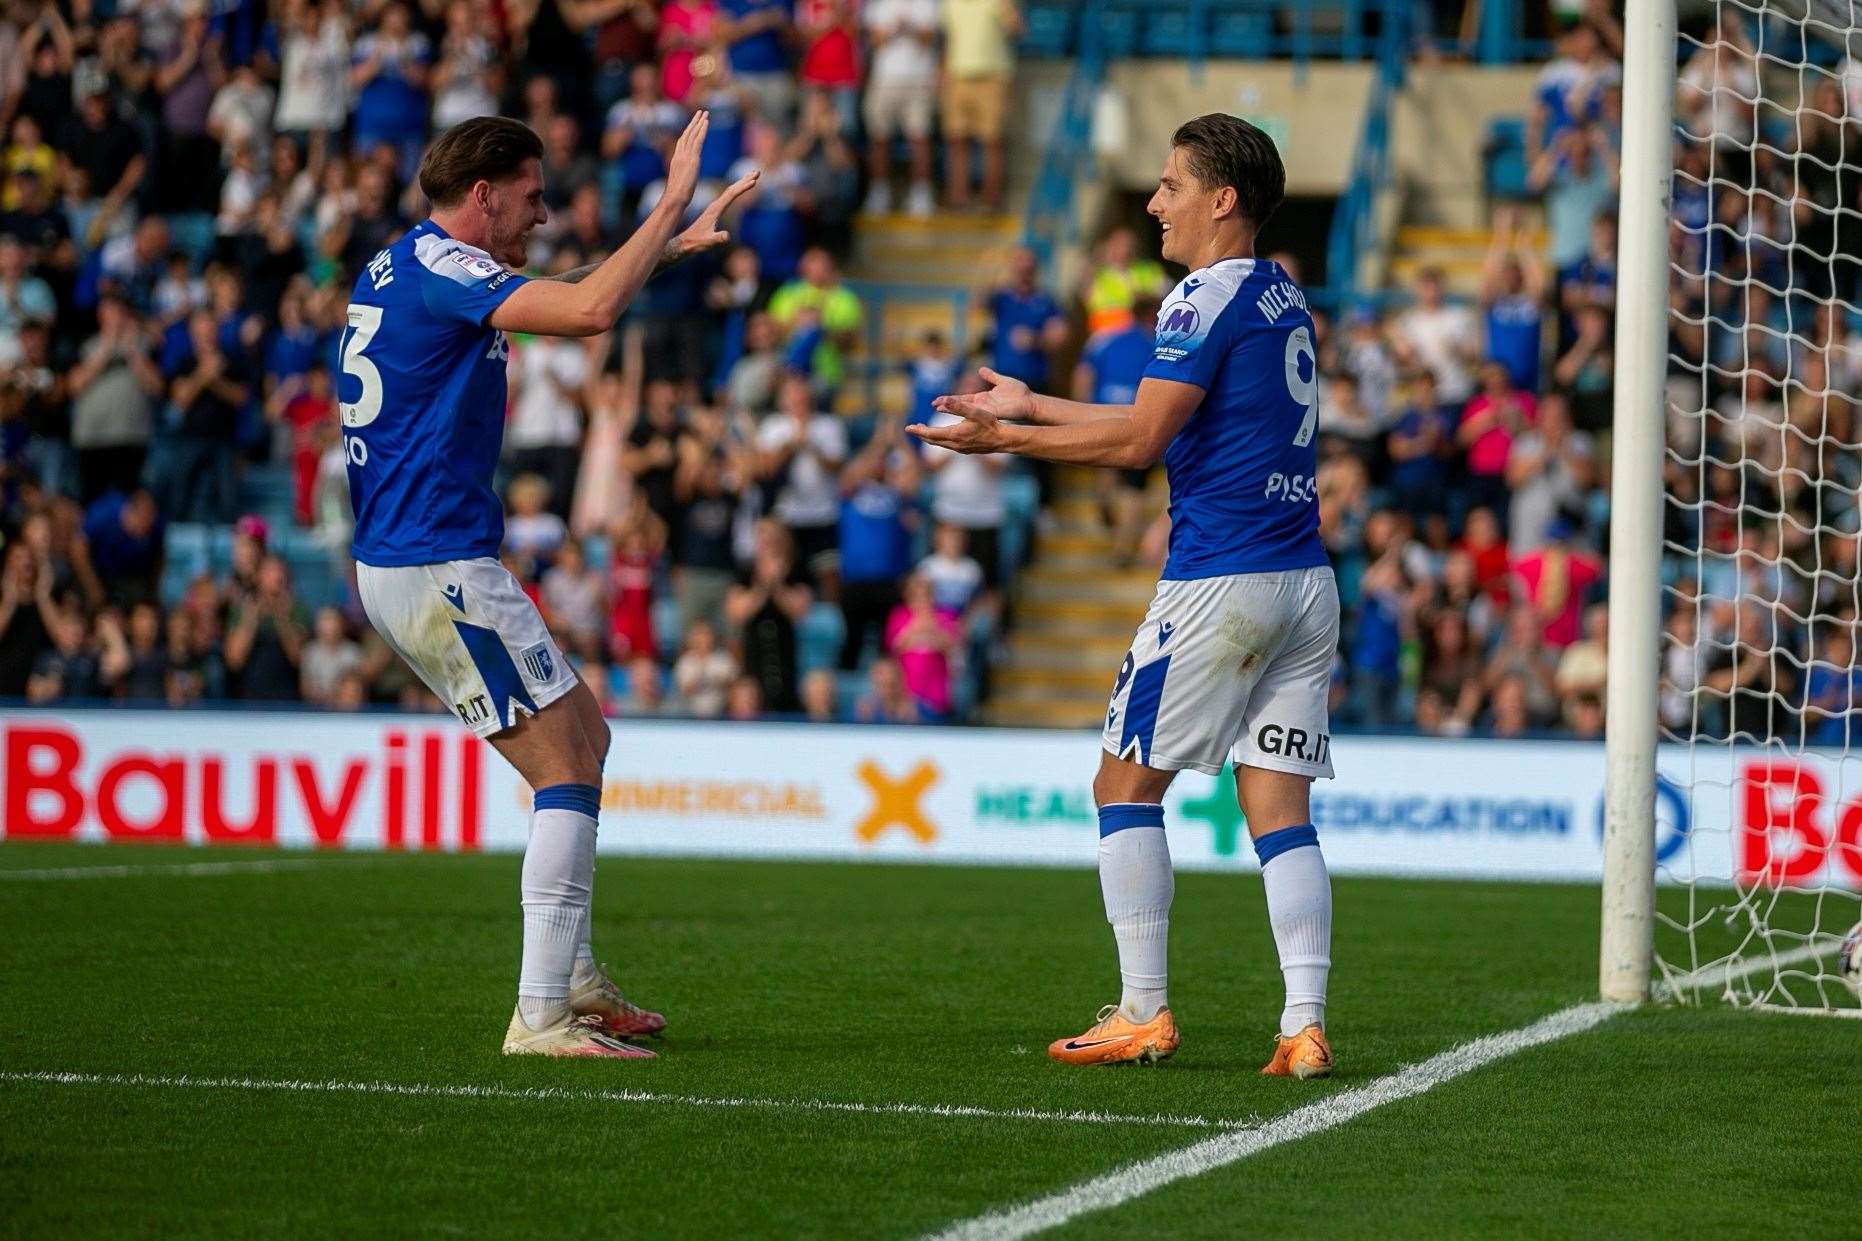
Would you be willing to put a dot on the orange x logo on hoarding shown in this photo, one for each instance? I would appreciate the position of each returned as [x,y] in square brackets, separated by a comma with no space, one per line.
[895,802]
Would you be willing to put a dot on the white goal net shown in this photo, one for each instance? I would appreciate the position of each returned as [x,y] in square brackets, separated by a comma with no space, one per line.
[1759,808]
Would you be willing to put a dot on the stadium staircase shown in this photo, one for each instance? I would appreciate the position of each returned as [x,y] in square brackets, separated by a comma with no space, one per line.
[1076,608]
[902,269]
[1459,252]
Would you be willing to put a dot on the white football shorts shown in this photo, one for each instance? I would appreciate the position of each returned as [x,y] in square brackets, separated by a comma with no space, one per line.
[469,631]
[1230,667]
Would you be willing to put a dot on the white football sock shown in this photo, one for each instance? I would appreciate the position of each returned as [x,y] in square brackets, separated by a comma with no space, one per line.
[1138,884]
[558,880]
[1299,907]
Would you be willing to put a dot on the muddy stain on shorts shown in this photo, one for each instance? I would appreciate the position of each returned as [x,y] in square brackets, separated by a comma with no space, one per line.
[1249,642]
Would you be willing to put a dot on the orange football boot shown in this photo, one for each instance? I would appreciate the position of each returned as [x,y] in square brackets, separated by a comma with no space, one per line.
[1304,1056]
[1116,1039]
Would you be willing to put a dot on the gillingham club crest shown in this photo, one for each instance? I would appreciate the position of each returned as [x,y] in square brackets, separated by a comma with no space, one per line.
[539,663]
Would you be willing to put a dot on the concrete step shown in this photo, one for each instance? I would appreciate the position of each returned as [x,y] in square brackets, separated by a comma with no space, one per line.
[1082,508]
[895,396]
[1101,653]
[1089,695]
[1044,584]
[1437,237]
[942,228]
[1103,612]
[1080,543]
[1463,274]
[1044,715]
[1099,631]
[1059,681]
[925,269]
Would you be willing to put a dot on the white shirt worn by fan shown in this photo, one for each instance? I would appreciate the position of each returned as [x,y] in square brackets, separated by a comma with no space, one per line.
[1438,337]
[811,494]
[546,413]
[966,489]
[903,60]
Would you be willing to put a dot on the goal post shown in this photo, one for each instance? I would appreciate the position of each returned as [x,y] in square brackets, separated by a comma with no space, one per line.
[1732,840]
[1626,957]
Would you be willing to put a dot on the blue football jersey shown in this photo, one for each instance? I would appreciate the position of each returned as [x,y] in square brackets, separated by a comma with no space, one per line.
[1244,497]
[422,397]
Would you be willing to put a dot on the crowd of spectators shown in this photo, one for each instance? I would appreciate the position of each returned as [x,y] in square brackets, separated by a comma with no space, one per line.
[1465,444]
[187,191]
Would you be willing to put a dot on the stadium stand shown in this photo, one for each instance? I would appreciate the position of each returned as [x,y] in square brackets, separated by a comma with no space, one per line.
[712,504]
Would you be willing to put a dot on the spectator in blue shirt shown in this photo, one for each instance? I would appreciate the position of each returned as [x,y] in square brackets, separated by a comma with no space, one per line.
[934,371]
[1578,176]
[1513,296]
[878,515]
[1026,323]
[775,221]
[1108,373]
[754,31]
[1833,692]
[390,80]
[1591,281]
[1377,644]
[1418,445]
[125,537]
[720,93]
[640,130]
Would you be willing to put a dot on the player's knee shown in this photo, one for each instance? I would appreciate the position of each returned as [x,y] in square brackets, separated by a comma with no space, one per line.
[1119,781]
[587,769]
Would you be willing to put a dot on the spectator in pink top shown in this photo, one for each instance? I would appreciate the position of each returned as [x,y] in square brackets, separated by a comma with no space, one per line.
[686,29]
[924,641]
[1556,581]
[1492,420]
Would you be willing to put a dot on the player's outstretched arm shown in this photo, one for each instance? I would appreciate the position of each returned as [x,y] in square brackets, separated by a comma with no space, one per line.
[1010,400]
[1129,437]
[591,305]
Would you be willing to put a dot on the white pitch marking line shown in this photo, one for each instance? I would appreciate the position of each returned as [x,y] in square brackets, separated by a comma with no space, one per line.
[421,1090]
[1121,1185]
[184,868]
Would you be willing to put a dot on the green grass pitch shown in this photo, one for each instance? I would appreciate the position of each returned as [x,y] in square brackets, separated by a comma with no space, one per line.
[856,984]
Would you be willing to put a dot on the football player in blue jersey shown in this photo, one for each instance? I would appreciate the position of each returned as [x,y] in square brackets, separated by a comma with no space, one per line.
[422,399]
[1234,658]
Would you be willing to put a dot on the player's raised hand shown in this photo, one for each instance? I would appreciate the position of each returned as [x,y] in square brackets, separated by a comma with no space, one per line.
[966,435]
[1006,399]
[682,168]
[705,233]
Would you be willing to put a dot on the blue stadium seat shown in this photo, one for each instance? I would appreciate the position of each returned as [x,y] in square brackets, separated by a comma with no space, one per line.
[1505,149]
[1170,32]
[1119,29]
[1242,34]
[668,626]
[1049,31]
[267,490]
[819,636]
[185,556]
[188,542]
[848,686]
[193,234]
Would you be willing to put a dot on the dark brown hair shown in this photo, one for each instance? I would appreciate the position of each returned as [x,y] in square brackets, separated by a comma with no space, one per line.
[485,148]
[1219,149]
